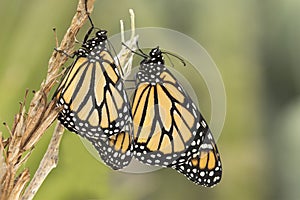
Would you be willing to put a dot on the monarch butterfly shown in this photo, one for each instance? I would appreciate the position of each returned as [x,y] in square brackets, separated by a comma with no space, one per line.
[169,130]
[94,102]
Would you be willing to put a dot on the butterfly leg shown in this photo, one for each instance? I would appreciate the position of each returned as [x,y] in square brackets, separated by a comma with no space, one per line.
[86,37]
[65,53]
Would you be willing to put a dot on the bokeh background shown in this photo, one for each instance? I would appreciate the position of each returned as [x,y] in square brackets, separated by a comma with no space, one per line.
[256,46]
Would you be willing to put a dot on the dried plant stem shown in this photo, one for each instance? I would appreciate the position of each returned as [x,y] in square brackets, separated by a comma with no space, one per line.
[48,162]
[28,128]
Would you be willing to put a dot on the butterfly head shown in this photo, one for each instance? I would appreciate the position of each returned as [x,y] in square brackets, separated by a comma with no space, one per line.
[97,42]
[151,66]
[101,36]
[156,57]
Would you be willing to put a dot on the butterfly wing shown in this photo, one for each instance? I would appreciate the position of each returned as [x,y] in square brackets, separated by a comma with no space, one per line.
[205,167]
[95,106]
[115,151]
[93,98]
[167,124]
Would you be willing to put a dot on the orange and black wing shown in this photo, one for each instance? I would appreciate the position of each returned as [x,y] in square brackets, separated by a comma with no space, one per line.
[167,124]
[115,151]
[95,105]
[93,98]
[205,167]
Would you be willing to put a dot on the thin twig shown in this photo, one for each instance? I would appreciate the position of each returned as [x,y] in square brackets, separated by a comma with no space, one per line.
[3,167]
[48,163]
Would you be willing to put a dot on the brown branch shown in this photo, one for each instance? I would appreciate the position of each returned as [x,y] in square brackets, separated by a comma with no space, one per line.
[48,163]
[28,128]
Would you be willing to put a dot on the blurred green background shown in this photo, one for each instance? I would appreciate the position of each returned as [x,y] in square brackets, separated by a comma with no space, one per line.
[256,46]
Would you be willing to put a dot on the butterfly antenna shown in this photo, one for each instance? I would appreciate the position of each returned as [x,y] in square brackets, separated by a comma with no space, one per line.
[170,60]
[137,53]
[140,50]
[171,54]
